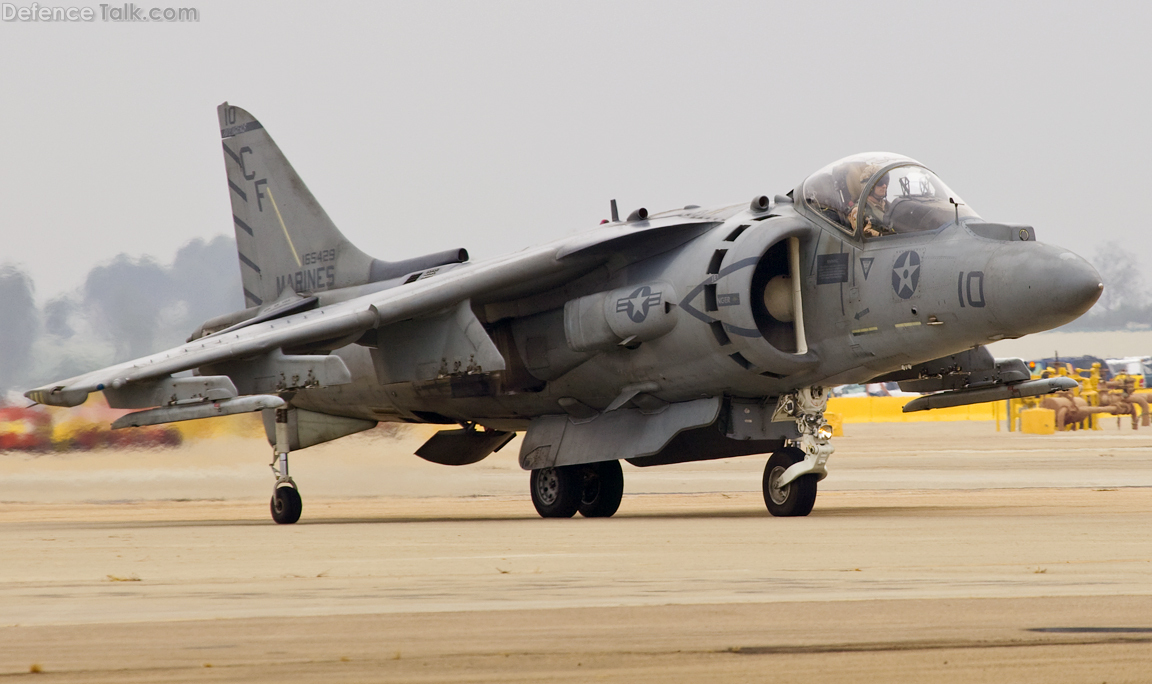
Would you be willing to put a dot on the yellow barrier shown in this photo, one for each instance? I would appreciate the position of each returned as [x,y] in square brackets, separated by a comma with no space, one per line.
[95,415]
[241,425]
[1038,421]
[888,410]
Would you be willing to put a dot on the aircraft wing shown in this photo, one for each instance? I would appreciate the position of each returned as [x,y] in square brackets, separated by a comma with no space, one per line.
[575,254]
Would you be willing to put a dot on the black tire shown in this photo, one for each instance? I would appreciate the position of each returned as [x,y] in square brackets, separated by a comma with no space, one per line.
[556,491]
[797,497]
[286,505]
[603,489]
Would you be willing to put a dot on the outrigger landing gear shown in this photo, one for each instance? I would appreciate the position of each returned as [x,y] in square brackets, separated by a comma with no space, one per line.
[791,474]
[286,504]
[593,489]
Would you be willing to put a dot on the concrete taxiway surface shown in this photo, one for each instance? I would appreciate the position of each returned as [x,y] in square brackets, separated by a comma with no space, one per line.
[942,552]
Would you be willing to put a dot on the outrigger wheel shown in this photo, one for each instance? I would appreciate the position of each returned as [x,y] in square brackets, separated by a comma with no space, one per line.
[594,489]
[286,505]
[795,498]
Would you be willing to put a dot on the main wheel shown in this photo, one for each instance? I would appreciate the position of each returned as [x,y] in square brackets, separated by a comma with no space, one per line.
[556,492]
[286,505]
[603,489]
[794,498]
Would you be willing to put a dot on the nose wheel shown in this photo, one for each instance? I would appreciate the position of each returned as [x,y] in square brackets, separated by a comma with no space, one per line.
[795,498]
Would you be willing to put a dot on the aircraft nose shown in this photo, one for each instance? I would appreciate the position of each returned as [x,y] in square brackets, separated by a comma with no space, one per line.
[1040,287]
[1076,287]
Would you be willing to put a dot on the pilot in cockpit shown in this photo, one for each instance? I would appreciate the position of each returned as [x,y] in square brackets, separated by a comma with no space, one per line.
[875,206]
[919,200]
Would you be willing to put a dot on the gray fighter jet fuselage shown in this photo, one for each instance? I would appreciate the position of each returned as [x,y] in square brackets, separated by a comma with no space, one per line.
[683,335]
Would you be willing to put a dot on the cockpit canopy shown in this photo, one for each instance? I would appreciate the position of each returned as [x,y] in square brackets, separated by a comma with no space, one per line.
[882,194]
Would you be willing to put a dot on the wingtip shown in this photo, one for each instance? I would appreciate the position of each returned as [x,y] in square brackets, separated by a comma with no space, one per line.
[57,396]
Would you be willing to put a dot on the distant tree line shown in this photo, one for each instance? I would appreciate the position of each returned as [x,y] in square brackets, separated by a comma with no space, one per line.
[126,308]
[1125,303]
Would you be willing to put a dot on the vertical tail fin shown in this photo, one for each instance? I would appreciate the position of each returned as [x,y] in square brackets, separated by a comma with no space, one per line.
[285,240]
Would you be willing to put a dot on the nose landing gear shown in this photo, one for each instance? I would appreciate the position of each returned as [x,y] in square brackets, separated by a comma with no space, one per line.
[791,474]
[795,498]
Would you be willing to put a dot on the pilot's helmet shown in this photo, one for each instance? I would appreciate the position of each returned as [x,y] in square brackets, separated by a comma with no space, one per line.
[858,175]
[882,181]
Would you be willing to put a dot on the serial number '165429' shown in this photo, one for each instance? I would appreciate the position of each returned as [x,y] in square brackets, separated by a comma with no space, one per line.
[318,257]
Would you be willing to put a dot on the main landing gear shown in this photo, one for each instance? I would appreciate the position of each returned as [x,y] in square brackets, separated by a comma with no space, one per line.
[789,484]
[791,474]
[594,489]
[286,504]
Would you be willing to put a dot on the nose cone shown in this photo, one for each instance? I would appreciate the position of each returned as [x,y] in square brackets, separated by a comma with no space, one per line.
[1036,287]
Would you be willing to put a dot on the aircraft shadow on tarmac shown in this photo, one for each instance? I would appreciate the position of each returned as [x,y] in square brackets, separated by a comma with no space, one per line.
[699,514]
[957,644]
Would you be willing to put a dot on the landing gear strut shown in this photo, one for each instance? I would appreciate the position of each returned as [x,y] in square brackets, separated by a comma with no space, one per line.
[286,504]
[593,489]
[791,474]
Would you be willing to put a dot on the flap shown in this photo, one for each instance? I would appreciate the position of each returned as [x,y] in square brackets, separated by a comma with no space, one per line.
[279,372]
[452,343]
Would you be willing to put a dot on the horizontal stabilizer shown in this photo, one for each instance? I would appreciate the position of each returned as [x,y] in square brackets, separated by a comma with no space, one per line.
[175,414]
[1031,388]
[387,270]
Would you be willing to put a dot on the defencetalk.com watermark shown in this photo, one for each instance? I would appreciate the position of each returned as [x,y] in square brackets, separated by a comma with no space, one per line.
[127,12]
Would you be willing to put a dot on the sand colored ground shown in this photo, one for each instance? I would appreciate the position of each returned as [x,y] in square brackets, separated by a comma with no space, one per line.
[936,552]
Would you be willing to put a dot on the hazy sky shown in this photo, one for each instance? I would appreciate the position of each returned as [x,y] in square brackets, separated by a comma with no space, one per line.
[493,125]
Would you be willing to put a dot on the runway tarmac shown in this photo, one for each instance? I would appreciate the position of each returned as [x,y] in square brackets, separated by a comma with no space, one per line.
[936,552]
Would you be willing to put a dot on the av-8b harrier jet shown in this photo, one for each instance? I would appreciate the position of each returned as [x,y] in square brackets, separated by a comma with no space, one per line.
[684,335]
